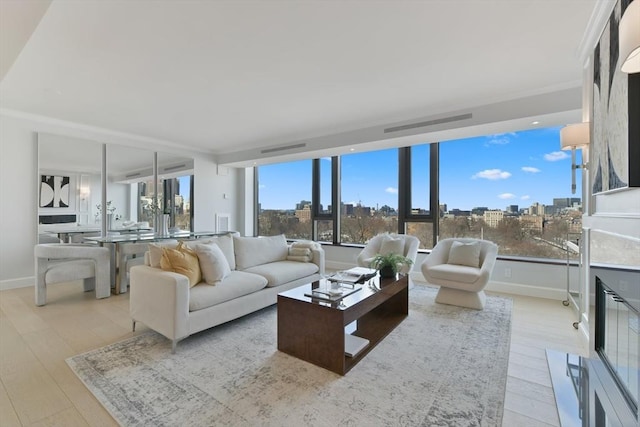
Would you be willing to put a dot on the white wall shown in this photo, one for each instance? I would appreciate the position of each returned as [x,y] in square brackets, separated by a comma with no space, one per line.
[18,188]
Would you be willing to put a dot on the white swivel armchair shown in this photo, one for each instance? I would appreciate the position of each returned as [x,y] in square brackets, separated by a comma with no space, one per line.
[462,268]
[63,262]
[384,243]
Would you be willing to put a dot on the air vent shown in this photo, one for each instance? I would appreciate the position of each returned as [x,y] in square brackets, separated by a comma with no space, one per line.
[429,123]
[171,168]
[132,175]
[288,147]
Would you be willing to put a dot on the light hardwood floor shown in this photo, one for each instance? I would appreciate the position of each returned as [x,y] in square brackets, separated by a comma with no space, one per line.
[38,389]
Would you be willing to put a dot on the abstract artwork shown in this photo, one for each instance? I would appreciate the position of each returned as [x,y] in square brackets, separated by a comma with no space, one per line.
[615,138]
[54,191]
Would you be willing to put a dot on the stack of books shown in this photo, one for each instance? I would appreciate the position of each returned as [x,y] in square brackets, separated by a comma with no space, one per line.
[354,275]
[331,294]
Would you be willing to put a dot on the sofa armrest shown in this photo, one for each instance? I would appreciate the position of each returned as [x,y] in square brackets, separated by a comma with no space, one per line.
[439,255]
[318,259]
[160,300]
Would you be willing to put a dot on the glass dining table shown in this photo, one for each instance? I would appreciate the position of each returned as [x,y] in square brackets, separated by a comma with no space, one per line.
[120,243]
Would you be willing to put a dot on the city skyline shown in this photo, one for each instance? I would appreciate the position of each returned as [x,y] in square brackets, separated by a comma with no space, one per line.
[494,171]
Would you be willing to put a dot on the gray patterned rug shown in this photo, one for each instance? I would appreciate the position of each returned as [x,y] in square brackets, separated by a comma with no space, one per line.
[442,366]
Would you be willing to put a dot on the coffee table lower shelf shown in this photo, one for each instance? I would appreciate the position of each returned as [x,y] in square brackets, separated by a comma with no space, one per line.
[316,332]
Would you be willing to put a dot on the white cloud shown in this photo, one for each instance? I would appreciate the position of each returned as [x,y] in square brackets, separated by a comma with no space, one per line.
[262,186]
[505,196]
[326,158]
[525,197]
[530,169]
[391,190]
[555,156]
[498,140]
[492,174]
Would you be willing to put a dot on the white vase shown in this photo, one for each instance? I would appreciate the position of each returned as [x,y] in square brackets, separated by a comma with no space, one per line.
[164,225]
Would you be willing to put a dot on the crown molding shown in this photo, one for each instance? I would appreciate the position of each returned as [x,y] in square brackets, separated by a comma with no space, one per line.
[595,26]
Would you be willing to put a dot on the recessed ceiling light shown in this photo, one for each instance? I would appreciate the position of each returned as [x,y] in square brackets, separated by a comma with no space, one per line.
[352,149]
[535,122]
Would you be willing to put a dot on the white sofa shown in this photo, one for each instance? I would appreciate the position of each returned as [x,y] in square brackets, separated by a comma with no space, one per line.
[260,269]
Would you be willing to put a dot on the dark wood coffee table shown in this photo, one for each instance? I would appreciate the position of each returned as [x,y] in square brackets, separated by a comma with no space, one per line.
[314,330]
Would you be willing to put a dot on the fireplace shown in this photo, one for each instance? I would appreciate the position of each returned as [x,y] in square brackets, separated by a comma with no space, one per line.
[617,319]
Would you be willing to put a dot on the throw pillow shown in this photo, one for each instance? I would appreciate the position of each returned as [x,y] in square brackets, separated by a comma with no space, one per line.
[213,263]
[392,246]
[465,254]
[182,260]
[155,251]
[299,254]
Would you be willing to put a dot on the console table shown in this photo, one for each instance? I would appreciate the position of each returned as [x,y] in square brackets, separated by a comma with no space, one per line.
[116,243]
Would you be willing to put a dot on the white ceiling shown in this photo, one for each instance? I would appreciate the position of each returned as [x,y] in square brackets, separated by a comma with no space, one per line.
[229,77]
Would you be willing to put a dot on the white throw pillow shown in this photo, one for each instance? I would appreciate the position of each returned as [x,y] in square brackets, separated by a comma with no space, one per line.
[225,243]
[213,263]
[155,251]
[392,246]
[299,254]
[465,254]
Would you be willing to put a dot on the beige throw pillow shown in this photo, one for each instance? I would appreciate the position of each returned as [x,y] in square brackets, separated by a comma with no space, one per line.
[182,260]
[155,251]
[213,263]
[465,254]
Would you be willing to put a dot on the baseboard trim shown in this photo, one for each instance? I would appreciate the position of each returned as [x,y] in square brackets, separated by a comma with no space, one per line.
[527,290]
[23,282]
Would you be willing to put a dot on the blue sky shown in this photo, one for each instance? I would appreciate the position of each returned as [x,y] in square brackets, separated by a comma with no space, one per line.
[518,168]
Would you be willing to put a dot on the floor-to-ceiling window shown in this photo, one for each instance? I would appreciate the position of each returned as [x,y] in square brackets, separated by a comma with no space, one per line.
[513,189]
[369,189]
[419,192]
[284,199]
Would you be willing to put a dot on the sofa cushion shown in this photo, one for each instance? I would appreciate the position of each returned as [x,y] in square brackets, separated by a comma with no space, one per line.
[213,263]
[456,273]
[464,254]
[236,284]
[252,251]
[225,243]
[155,251]
[182,260]
[281,272]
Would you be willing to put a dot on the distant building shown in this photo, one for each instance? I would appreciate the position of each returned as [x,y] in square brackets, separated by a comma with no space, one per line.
[304,214]
[565,202]
[493,217]
[512,209]
[479,211]
[536,209]
[532,222]
[458,212]
[302,204]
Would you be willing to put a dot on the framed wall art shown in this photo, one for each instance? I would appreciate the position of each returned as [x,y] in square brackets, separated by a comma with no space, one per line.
[615,148]
[55,191]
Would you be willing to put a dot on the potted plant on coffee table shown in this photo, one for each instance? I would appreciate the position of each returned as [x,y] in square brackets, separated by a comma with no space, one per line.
[390,264]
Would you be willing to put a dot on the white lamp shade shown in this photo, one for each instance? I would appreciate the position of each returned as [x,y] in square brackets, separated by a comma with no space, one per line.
[629,35]
[576,135]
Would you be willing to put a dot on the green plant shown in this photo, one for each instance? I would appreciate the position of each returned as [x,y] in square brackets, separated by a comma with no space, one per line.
[392,261]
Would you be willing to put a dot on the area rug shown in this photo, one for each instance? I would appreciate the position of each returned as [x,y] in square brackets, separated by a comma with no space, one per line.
[442,366]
